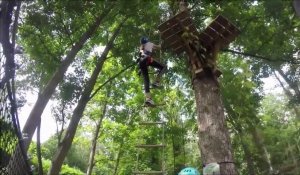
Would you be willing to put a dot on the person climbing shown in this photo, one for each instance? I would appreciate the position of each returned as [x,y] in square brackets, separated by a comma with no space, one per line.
[145,60]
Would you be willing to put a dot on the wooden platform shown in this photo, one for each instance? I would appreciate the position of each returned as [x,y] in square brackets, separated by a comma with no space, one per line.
[221,30]
[172,29]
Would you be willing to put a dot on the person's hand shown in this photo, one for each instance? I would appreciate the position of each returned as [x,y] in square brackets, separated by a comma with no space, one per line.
[137,60]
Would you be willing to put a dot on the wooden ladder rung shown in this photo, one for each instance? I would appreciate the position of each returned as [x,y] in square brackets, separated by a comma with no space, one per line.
[150,146]
[148,172]
[151,123]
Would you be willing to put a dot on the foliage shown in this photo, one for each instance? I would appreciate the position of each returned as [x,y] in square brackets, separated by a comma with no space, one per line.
[268,43]
[66,169]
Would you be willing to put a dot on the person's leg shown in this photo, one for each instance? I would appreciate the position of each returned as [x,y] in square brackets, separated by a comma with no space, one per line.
[144,72]
[161,70]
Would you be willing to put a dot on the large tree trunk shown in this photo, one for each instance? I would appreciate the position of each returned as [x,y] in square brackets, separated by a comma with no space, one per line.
[43,98]
[213,134]
[64,147]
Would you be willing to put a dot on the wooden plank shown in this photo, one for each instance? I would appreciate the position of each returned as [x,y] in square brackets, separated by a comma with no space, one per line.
[223,21]
[217,26]
[234,30]
[187,22]
[227,35]
[177,44]
[211,32]
[176,27]
[150,146]
[173,20]
[171,31]
[206,39]
[172,38]
[148,172]
[174,45]
[229,25]
[182,15]
[175,36]
[166,25]
[179,50]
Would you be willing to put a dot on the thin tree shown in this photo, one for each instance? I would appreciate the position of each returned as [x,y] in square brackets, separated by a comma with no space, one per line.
[96,135]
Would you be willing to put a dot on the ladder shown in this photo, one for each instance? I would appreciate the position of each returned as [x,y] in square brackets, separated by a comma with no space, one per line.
[161,147]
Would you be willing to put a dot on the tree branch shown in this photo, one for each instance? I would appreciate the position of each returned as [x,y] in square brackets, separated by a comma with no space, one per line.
[247,54]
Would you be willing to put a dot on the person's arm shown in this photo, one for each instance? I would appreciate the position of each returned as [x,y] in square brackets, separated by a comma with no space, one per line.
[156,46]
[141,47]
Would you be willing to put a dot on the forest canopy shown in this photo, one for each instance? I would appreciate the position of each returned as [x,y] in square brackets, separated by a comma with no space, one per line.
[82,57]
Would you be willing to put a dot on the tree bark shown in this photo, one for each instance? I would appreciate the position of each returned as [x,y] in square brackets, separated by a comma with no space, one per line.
[213,134]
[5,34]
[64,147]
[44,96]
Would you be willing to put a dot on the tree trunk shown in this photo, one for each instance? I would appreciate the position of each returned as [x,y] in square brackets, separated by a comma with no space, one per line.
[120,152]
[214,140]
[64,147]
[94,142]
[38,149]
[248,156]
[44,96]
[5,38]
[177,147]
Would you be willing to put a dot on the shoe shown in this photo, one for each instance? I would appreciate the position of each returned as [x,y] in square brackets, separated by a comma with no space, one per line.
[149,101]
[156,85]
